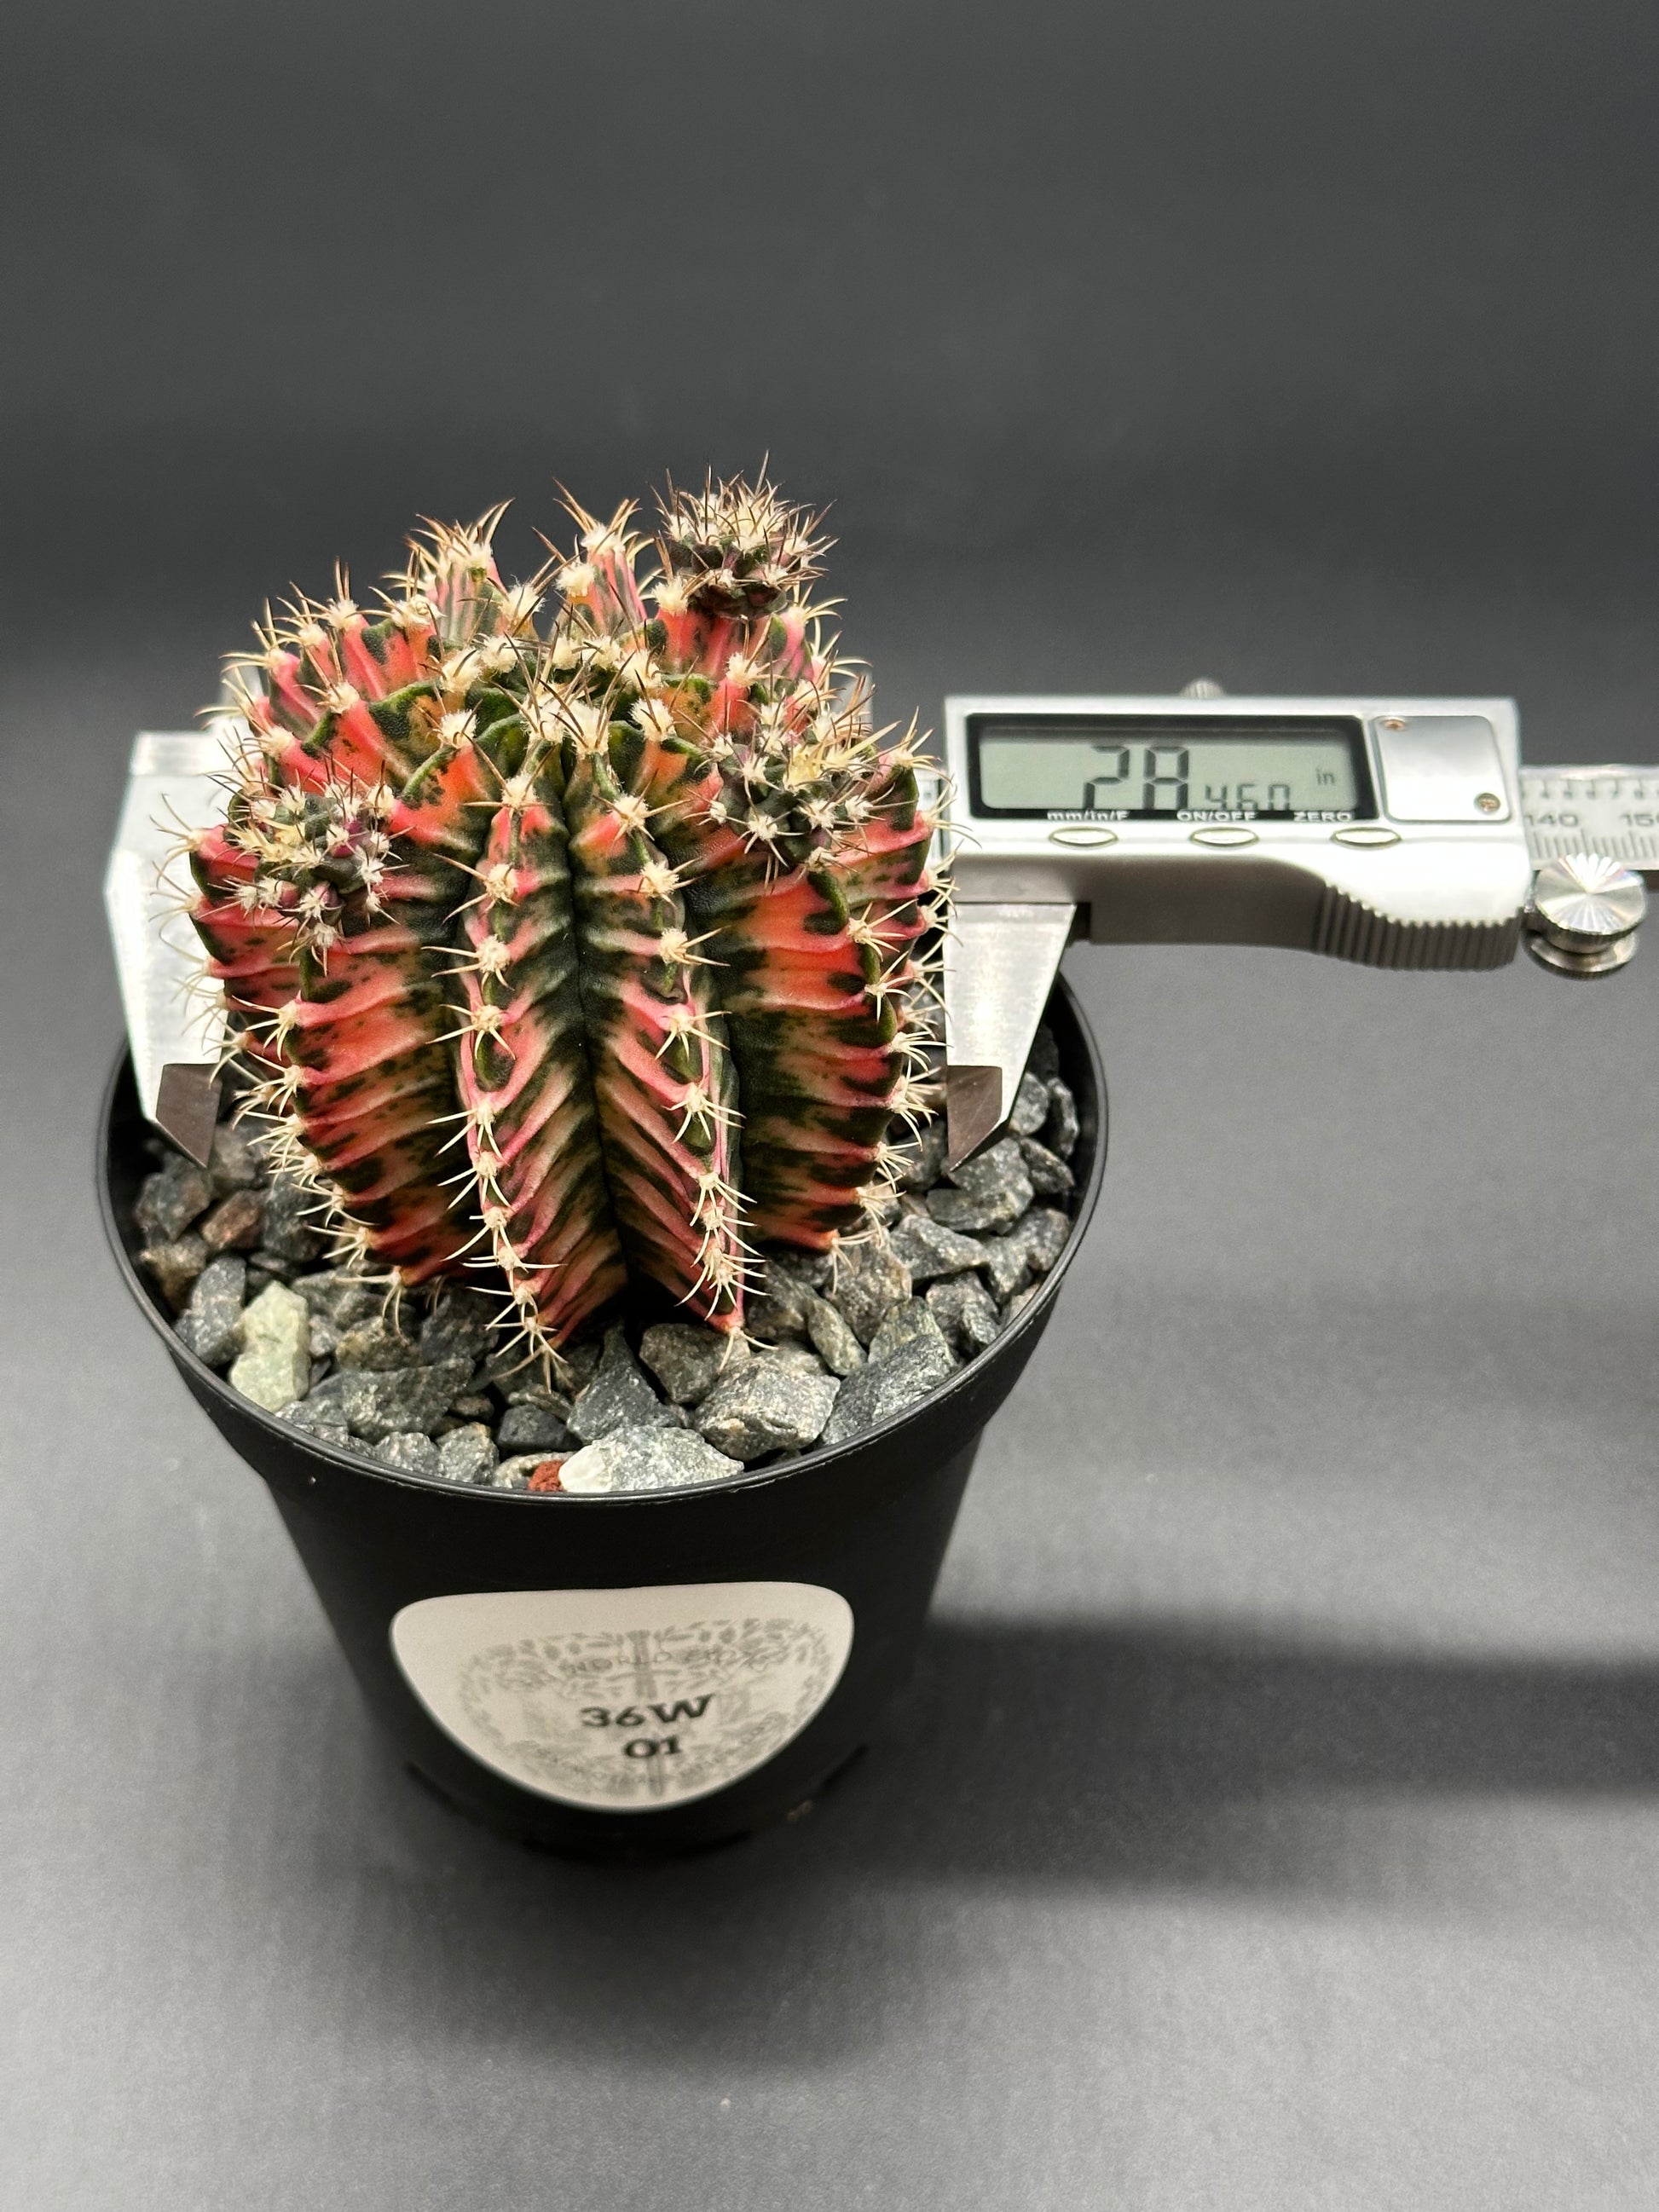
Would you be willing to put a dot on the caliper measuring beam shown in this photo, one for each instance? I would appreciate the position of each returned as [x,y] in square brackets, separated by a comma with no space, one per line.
[1400,833]
[1395,832]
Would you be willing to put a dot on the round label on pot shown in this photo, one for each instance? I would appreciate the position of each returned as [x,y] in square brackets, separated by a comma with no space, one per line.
[626,1699]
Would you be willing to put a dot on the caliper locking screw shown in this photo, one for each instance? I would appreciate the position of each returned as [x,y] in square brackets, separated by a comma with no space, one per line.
[1584,914]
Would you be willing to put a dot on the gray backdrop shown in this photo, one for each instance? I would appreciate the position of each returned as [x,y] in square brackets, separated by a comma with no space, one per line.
[1273,1819]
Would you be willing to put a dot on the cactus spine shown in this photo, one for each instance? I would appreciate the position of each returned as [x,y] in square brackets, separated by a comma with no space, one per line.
[581,951]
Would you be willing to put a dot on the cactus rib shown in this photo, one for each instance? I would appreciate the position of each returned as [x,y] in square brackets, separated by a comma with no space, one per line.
[525,1088]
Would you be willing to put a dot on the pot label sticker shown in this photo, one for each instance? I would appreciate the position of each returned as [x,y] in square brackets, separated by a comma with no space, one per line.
[626,1699]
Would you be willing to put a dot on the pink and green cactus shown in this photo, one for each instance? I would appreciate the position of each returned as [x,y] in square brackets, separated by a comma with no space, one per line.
[577,931]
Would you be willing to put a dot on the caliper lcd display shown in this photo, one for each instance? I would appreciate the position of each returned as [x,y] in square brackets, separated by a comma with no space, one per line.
[1183,768]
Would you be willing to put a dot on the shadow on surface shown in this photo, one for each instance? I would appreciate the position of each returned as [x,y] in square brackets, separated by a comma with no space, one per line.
[1024,1757]
[1161,1713]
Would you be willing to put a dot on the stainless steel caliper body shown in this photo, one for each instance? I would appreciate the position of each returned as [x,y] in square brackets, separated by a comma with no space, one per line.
[1398,833]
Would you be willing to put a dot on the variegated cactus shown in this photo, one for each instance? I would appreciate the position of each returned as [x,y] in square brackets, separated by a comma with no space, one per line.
[580,949]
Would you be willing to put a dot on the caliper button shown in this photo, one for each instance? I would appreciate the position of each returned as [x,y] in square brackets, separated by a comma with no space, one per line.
[1365,833]
[1225,833]
[1082,834]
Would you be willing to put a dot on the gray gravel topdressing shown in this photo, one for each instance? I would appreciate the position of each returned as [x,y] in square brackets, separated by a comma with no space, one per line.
[835,1343]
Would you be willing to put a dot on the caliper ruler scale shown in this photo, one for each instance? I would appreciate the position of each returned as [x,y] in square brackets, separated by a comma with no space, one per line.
[1612,809]
[1393,832]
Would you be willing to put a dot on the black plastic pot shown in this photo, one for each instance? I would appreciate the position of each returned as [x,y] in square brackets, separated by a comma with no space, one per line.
[645,1672]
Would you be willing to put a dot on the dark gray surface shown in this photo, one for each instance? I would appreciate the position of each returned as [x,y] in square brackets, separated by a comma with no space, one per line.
[1273,1820]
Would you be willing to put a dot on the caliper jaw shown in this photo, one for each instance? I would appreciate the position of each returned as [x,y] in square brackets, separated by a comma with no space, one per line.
[175,784]
[1001,961]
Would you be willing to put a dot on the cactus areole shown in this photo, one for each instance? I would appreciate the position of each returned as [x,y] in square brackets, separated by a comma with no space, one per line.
[576,931]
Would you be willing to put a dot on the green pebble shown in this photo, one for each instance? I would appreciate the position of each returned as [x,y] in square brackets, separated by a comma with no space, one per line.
[274,1366]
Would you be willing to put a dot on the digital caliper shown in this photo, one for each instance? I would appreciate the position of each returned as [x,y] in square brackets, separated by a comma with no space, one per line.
[1398,833]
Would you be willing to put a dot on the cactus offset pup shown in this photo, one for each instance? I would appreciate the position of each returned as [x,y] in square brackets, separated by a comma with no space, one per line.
[585,946]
